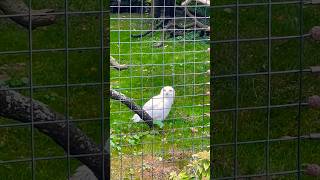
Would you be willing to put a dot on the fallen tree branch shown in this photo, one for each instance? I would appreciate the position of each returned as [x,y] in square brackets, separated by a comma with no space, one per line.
[198,23]
[131,105]
[207,2]
[18,107]
[116,65]
[20,14]
[189,14]
[175,29]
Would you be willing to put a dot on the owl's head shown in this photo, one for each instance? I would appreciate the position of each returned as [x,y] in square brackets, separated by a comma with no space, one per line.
[167,91]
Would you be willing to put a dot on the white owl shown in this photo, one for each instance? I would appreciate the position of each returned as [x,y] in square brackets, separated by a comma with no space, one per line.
[158,107]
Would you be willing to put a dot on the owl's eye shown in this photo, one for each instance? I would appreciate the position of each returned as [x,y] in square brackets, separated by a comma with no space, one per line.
[170,90]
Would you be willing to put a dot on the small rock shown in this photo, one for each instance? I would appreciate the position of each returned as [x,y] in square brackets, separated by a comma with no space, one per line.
[315,33]
[83,173]
[312,170]
[314,101]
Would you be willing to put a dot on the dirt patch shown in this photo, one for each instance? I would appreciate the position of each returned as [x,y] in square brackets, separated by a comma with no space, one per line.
[148,167]
[156,169]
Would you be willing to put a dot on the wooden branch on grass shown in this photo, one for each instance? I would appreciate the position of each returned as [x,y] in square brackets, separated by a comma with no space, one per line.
[127,101]
[20,14]
[116,65]
[198,23]
[189,14]
[207,2]
[131,105]
[15,106]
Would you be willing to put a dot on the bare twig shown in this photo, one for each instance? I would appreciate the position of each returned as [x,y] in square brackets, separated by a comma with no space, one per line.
[20,14]
[18,107]
[131,105]
[116,65]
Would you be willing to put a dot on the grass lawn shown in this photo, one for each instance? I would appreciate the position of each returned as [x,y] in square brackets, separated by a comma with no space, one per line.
[181,63]
[254,154]
[48,75]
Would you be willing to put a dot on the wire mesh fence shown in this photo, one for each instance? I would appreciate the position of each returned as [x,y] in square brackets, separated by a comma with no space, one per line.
[158,46]
[264,59]
[52,83]
[54,89]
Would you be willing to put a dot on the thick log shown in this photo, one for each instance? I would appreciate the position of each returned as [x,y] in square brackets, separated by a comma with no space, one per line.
[15,106]
[20,14]
[131,105]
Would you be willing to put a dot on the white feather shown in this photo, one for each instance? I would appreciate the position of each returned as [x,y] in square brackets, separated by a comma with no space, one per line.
[158,107]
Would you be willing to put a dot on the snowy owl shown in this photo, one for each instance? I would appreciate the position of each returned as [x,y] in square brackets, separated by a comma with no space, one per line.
[158,107]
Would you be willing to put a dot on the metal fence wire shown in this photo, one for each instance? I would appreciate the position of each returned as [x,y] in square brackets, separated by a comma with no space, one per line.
[156,45]
[53,112]
[56,106]
[265,57]
[55,69]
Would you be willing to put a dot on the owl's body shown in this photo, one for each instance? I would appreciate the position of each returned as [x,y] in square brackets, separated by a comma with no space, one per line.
[158,107]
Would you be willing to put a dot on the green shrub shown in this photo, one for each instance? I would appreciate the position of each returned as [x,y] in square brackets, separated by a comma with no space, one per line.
[198,168]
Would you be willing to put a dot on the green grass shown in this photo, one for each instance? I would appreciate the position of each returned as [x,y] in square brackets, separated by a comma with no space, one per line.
[146,80]
[181,63]
[252,125]
[48,68]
